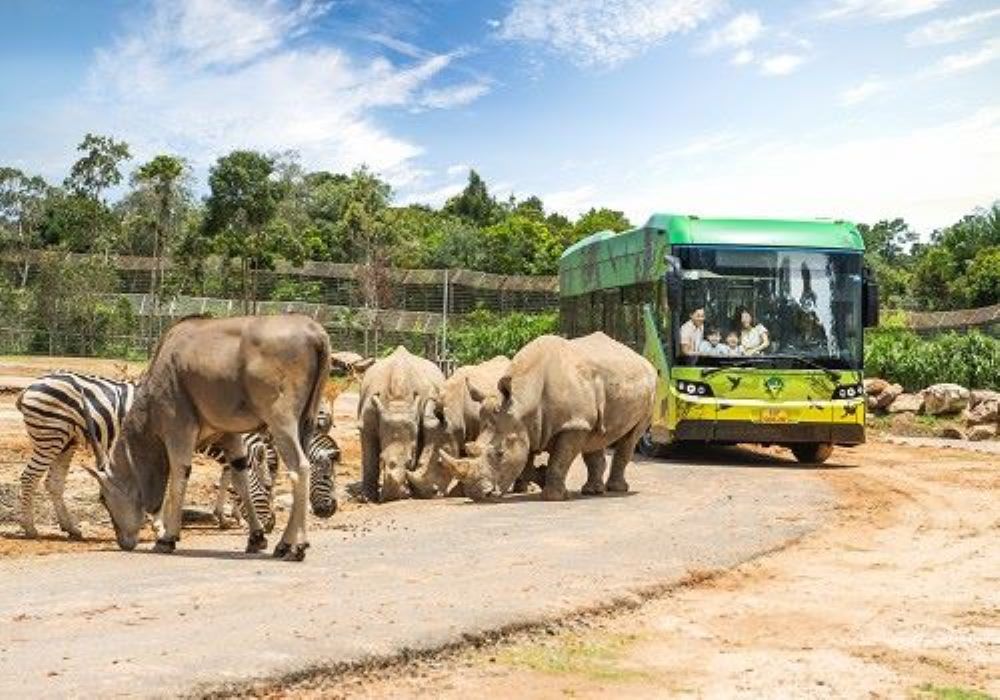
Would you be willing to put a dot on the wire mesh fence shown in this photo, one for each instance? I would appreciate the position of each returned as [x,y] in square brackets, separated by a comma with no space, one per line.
[413,307]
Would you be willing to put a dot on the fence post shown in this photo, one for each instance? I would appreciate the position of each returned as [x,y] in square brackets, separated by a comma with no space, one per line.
[444,321]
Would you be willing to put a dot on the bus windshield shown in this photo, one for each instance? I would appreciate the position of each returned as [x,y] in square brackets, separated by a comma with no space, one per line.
[781,308]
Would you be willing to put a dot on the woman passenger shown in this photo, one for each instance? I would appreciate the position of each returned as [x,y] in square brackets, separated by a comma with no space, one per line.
[753,336]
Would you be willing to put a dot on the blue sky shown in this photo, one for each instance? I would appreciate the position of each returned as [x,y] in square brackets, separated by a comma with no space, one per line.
[858,109]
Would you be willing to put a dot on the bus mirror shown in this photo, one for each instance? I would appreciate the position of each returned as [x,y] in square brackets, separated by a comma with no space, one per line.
[674,282]
[869,300]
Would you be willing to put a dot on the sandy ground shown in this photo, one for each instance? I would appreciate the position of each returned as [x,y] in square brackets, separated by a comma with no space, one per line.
[898,597]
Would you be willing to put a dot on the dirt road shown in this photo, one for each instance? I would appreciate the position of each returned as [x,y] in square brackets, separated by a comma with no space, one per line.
[406,575]
[897,597]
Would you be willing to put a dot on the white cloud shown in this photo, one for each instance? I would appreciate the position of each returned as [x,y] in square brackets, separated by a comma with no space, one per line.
[737,33]
[951,29]
[603,33]
[453,96]
[434,198]
[202,77]
[879,9]
[781,64]
[458,169]
[967,60]
[571,202]
[700,145]
[742,57]
[863,91]
[931,175]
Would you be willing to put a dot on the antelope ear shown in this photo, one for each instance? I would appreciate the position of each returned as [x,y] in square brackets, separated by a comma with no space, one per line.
[475,393]
[361,366]
[473,449]
[504,386]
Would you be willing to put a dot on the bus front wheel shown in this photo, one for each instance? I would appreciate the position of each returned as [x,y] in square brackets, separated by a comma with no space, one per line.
[812,452]
[648,447]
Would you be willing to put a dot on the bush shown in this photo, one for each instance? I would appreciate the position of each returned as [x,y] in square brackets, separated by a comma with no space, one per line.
[970,359]
[484,334]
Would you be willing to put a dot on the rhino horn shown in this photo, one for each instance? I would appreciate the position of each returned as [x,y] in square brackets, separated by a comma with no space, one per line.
[473,449]
[459,467]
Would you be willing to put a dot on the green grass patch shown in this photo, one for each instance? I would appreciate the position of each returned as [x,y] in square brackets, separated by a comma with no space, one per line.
[597,658]
[928,691]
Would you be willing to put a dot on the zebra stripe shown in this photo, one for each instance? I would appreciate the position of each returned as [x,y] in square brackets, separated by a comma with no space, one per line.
[323,453]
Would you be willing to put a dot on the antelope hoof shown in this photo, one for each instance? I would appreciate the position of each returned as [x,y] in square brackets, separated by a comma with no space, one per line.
[30,532]
[595,489]
[257,542]
[281,549]
[297,552]
[164,546]
[75,535]
[551,493]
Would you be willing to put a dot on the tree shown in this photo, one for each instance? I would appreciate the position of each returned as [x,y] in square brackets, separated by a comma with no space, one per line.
[520,245]
[475,204]
[243,202]
[889,240]
[161,181]
[99,168]
[597,220]
[980,285]
[22,207]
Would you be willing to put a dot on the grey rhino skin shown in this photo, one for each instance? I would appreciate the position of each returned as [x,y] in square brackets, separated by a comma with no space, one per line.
[564,397]
[453,423]
[396,394]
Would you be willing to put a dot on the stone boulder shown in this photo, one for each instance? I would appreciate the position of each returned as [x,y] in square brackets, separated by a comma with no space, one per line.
[941,399]
[887,396]
[907,403]
[875,386]
[950,432]
[983,413]
[982,432]
[978,396]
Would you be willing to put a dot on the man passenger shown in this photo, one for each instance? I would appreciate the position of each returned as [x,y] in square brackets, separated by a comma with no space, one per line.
[693,332]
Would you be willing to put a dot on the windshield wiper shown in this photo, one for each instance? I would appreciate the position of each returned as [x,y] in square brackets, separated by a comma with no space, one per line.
[751,361]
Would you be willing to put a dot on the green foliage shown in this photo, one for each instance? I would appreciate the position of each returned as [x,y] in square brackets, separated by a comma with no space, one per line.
[970,359]
[99,167]
[484,334]
[598,220]
[929,691]
[290,289]
[475,204]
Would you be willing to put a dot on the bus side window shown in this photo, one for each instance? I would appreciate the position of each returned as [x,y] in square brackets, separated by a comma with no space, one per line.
[596,315]
[613,313]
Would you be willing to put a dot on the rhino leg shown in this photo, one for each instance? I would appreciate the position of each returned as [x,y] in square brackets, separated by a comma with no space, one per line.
[369,465]
[597,464]
[623,454]
[567,447]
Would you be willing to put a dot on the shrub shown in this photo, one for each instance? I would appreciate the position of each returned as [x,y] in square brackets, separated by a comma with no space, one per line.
[484,334]
[970,359]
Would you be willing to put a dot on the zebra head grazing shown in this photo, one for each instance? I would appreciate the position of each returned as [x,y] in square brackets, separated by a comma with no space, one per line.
[323,455]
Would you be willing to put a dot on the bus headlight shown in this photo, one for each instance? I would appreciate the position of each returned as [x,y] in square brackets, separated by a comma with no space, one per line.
[693,388]
[849,391]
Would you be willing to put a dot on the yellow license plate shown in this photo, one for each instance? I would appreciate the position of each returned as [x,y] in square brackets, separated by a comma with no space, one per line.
[775,415]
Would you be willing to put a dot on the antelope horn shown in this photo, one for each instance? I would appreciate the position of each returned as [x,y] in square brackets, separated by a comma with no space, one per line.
[96,473]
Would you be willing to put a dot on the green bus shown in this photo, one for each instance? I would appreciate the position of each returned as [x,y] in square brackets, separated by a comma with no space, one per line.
[755,326]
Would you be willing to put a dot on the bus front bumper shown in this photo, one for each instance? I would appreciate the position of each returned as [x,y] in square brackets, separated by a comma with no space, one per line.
[768,433]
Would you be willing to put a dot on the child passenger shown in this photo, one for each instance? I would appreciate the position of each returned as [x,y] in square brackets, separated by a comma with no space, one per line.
[733,344]
[712,345]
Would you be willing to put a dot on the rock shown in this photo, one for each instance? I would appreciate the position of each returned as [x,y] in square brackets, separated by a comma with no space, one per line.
[983,432]
[907,403]
[945,398]
[950,432]
[871,402]
[978,396]
[875,386]
[888,395]
[984,413]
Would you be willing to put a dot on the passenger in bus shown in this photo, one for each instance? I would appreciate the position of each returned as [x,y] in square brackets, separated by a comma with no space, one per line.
[693,332]
[733,344]
[753,336]
[713,345]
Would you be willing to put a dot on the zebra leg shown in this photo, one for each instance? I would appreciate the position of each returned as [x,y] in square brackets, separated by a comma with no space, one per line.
[225,477]
[37,466]
[55,484]
[236,453]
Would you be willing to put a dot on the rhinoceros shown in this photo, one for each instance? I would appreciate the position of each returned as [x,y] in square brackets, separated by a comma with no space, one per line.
[564,397]
[453,422]
[396,393]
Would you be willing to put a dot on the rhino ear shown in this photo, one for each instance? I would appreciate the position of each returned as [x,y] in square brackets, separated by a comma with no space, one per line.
[475,393]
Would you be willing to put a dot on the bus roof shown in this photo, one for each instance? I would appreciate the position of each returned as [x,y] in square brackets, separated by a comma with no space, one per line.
[607,258]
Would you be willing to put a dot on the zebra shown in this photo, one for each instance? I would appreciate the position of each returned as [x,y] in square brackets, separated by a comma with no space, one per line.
[263,459]
[61,411]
